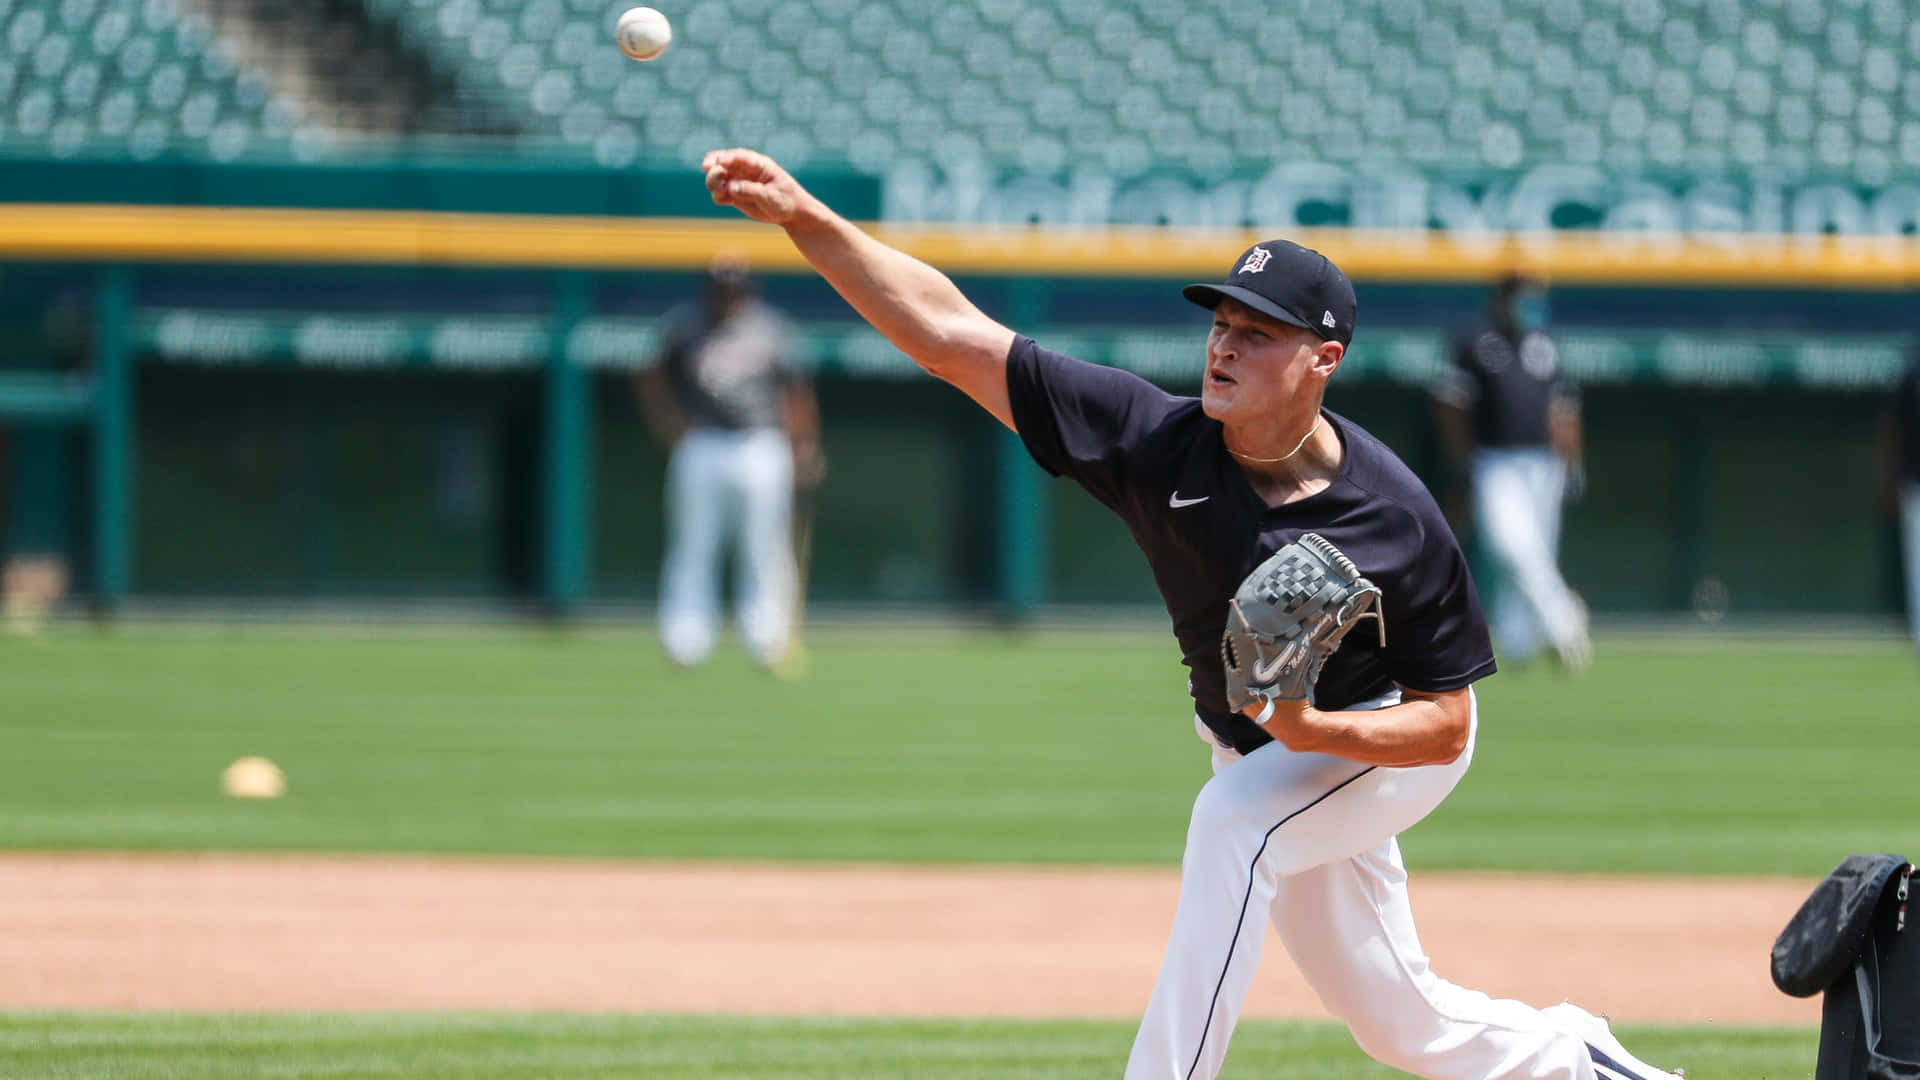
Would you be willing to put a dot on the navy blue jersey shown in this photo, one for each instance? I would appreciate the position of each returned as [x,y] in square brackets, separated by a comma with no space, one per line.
[1160,463]
[1508,387]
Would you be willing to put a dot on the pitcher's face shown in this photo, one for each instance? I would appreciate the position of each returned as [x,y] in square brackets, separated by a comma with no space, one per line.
[1258,367]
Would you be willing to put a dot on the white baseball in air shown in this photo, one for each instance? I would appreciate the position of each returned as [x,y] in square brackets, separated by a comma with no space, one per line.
[643,33]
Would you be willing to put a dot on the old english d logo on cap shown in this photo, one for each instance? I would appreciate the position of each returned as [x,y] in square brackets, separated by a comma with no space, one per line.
[1284,281]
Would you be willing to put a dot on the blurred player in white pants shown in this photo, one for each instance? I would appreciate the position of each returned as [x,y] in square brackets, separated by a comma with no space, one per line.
[1509,415]
[1517,494]
[726,397]
[1900,441]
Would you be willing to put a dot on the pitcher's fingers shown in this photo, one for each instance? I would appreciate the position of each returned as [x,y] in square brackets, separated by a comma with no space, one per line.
[755,192]
[716,179]
[739,161]
[762,165]
[713,159]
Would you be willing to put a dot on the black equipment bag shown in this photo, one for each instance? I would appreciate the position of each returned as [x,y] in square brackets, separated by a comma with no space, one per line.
[1851,940]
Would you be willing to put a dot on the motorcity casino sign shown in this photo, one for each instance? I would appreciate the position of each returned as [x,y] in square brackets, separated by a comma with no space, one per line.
[1308,194]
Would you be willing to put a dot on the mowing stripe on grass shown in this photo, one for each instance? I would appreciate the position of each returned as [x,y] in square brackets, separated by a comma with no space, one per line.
[974,747]
[79,1046]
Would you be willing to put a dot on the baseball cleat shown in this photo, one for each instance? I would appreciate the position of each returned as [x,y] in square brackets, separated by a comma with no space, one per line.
[1610,1060]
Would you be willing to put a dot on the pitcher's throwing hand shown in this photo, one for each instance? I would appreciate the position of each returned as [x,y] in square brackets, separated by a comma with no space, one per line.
[754,184]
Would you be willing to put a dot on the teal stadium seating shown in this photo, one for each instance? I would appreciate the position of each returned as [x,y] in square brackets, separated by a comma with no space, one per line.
[139,78]
[1795,89]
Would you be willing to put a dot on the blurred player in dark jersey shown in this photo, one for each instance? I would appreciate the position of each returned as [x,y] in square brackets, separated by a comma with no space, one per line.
[1510,420]
[743,425]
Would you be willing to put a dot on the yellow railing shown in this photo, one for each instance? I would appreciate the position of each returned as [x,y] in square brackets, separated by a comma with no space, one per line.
[210,234]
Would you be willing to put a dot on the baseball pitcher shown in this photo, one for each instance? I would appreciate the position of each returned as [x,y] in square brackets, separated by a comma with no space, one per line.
[1323,610]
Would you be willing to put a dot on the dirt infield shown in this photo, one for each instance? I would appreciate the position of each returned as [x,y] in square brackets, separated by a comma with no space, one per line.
[284,933]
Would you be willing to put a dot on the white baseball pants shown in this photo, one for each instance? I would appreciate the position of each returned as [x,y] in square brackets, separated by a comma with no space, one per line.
[728,487]
[1308,841]
[1517,495]
[1910,518]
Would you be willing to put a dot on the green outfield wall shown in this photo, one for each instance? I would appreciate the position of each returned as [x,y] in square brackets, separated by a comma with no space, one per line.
[355,454]
[421,394]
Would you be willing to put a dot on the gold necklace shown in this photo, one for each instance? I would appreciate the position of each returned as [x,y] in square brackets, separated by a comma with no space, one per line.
[1249,458]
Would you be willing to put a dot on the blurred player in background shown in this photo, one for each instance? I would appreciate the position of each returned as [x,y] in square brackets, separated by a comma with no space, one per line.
[743,426]
[33,560]
[1510,422]
[1900,442]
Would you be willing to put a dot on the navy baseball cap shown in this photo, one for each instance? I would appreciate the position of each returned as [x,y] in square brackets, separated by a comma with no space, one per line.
[1296,285]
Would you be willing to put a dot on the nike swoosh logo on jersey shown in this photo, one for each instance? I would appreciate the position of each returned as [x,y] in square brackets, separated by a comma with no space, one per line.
[1177,502]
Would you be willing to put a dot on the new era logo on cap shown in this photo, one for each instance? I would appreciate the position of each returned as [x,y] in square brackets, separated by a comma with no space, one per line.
[1285,281]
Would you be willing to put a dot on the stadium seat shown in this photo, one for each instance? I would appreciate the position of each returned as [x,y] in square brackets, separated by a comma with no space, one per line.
[1499,84]
[145,80]
[1797,89]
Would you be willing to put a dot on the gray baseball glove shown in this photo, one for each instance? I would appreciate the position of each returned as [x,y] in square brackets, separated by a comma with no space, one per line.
[1288,616]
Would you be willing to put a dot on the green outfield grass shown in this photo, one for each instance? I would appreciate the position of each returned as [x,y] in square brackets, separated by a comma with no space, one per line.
[911,745]
[425,1047]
